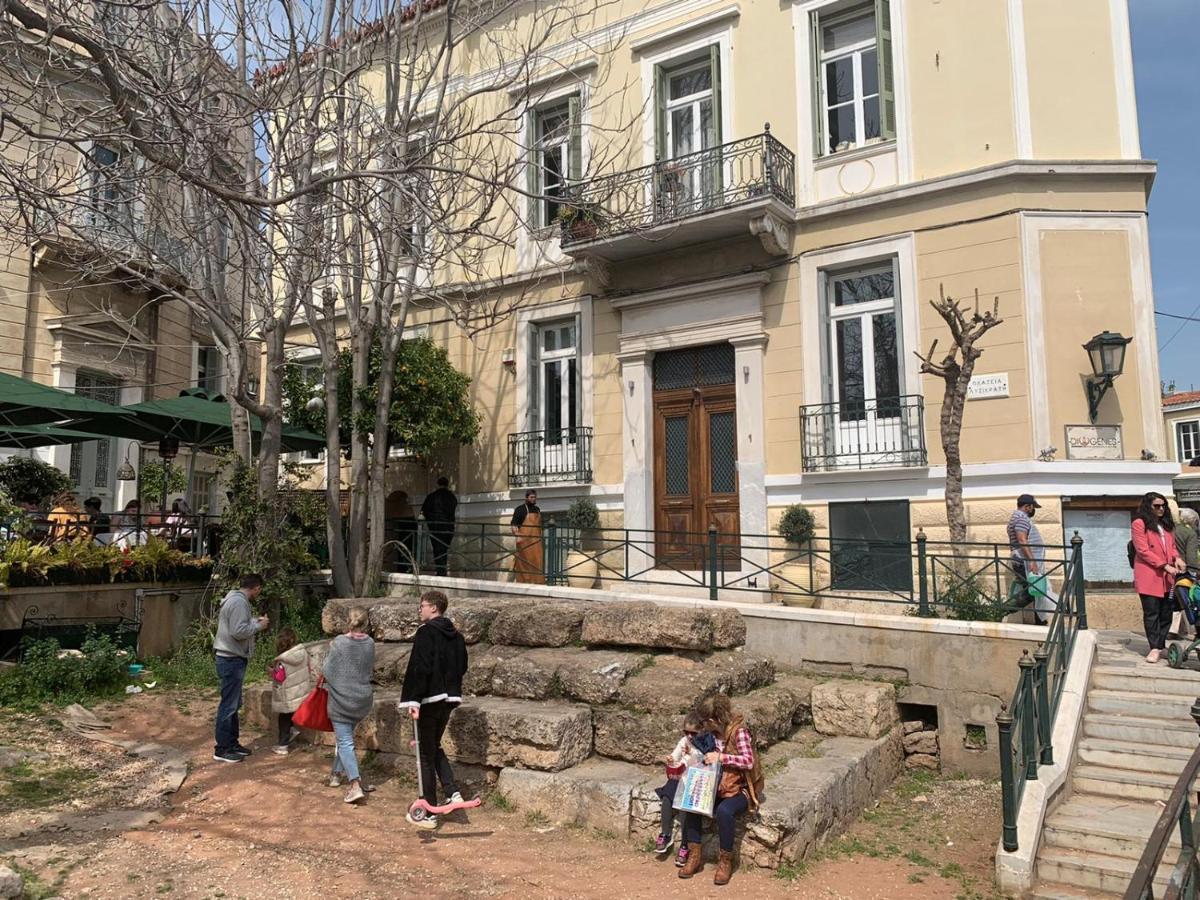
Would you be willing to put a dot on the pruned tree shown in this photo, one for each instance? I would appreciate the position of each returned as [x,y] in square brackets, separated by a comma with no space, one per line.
[955,370]
[353,161]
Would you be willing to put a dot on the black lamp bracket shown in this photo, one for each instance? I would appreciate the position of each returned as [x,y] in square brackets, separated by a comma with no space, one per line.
[1097,387]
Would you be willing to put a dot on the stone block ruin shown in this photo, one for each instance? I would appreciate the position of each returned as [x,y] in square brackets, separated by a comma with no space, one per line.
[571,707]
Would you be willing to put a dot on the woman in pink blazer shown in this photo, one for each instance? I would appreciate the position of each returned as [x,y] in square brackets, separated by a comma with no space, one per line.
[1155,565]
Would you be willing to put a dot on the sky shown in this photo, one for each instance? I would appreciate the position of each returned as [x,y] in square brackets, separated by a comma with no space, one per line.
[1166,67]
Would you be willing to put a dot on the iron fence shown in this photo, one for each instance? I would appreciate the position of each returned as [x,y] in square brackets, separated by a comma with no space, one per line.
[864,434]
[675,189]
[556,456]
[1183,879]
[1026,725]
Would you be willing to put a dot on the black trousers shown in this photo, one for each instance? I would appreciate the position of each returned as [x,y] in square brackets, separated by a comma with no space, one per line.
[440,536]
[1156,617]
[285,729]
[435,766]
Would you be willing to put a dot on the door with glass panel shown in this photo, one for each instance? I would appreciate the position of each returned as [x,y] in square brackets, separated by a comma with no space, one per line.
[690,174]
[867,424]
[695,457]
[556,412]
[93,463]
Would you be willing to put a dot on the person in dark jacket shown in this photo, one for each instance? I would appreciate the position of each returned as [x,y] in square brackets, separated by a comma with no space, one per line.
[439,509]
[432,689]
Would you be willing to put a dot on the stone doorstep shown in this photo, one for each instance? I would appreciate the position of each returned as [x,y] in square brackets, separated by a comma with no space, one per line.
[807,801]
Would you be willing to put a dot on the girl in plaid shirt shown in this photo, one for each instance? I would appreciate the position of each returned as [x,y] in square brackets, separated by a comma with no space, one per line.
[741,785]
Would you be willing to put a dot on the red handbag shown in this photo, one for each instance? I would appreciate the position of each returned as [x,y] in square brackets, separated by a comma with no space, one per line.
[313,713]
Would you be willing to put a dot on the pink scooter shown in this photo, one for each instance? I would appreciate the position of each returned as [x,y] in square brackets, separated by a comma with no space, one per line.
[419,808]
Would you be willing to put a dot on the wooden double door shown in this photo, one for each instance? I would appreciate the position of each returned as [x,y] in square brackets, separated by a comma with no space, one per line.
[695,469]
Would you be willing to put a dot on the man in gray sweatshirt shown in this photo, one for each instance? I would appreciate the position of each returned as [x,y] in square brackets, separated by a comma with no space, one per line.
[234,645]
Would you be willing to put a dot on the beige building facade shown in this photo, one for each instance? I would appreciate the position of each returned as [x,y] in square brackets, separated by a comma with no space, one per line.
[728,322]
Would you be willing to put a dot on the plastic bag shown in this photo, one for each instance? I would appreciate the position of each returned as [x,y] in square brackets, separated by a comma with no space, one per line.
[697,792]
[1045,601]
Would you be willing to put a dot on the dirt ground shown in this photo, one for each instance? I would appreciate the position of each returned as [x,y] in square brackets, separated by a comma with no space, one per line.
[270,828]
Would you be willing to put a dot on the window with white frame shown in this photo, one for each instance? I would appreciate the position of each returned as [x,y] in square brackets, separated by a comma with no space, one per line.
[863,341]
[311,371]
[1187,440]
[410,195]
[557,147]
[108,185]
[208,369]
[853,85]
[93,463]
[554,388]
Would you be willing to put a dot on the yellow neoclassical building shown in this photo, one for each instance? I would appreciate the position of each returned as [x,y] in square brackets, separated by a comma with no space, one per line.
[734,218]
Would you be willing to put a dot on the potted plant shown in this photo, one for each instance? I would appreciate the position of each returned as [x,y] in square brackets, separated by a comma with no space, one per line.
[583,521]
[580,221]
[796,526]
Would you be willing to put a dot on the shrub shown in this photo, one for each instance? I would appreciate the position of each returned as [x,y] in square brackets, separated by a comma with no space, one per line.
[25,564]
[797,524]
[28,480]
[47,675]
[967,601]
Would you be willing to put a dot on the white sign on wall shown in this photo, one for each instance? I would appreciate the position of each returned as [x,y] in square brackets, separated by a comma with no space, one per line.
[1094,442]
[986,387]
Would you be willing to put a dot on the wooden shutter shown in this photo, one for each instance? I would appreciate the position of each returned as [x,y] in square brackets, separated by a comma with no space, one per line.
[883,58]
[818,95]
[532,391]
[575,140]
[660,112]
[531,168]
[714,63]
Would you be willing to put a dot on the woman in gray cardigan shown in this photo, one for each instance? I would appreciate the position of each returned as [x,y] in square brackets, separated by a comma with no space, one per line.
[347,671]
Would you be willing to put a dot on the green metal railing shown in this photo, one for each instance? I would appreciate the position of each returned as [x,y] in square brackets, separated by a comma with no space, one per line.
[1183,880]
[1026,725]
[918,577]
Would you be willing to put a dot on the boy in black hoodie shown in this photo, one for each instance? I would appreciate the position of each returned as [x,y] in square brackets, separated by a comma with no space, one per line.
[432,688]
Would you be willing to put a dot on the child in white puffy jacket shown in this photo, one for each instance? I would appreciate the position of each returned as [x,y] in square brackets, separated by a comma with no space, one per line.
[291,680]
[685,754]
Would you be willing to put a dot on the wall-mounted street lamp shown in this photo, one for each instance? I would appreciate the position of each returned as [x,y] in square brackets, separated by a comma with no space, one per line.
[1106,351]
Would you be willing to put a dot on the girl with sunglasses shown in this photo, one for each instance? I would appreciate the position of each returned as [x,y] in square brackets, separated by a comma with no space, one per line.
[1156,562]
[688,752]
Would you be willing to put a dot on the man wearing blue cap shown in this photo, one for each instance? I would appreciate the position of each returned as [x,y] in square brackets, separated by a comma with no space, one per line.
[1028,552]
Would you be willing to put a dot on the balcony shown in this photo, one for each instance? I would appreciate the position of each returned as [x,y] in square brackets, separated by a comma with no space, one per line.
[884,433]
[112,231]
[743,187]
[562,456]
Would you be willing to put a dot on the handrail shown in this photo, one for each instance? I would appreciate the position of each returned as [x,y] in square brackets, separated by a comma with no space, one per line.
[1185,874]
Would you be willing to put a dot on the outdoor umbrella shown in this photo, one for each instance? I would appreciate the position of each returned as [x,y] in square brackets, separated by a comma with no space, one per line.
[31,436]
[24,402]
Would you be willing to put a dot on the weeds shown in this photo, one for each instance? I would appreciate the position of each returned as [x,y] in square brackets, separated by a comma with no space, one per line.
[47,675]
[24,787]
[791,871]
[536,819]
[498,801]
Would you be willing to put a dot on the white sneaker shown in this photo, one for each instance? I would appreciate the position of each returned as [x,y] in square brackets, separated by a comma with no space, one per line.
[456,797]
[335,780]
[428,823]
[280,749]
[354,794]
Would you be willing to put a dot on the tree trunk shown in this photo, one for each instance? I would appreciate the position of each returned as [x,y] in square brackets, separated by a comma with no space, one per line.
[360,536]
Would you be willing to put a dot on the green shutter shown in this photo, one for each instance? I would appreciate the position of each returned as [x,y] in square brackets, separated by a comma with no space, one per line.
[532,388]
[887,84]
[818,95]
[660,112]
[714,62]
[531,168]
[575,142]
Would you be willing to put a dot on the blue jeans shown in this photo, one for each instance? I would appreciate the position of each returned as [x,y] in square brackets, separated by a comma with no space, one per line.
[725,814]
[231,672]
[344,760]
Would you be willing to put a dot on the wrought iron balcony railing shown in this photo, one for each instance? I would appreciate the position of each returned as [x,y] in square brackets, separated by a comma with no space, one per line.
[562,456]
[675,189]
[113,228]
[884,432]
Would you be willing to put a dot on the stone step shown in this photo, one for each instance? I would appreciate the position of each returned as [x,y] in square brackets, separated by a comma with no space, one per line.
[644,624]
[1136,757]
[1105,825]
[1151,786]
[1133,729]
[1144,705]
[807,798]
[1052,891]
[1091,871]
[674,683]
[1160,680]
[485,731]
[772,712]
[588,676]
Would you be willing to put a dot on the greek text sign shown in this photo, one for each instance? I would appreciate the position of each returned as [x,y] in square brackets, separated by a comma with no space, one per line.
[1094,442]
[985,387]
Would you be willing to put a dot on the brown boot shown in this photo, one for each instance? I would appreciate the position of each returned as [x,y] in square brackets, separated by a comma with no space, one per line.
[695,861]
[724,868]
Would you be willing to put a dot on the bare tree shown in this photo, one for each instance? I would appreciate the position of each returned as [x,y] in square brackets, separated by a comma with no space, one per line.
[359,160]
[966,329]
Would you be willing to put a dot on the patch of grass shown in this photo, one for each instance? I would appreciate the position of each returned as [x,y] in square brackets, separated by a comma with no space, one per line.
[604,834]
[498,801]
[24,787]
[915,783]
[917,878]
[951,871]
[36,888]
[791,871]
[536,819]
[164,887]
[648,845]
[919,859]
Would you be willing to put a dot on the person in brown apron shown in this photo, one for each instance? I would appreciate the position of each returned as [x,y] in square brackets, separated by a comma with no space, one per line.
[527,527]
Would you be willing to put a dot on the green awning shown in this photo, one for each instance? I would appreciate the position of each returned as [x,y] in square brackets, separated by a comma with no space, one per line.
[42,436]
[24,402]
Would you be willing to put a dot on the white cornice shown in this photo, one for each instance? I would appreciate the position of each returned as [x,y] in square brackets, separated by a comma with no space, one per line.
[639,44]
[691,291]
[552,75]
